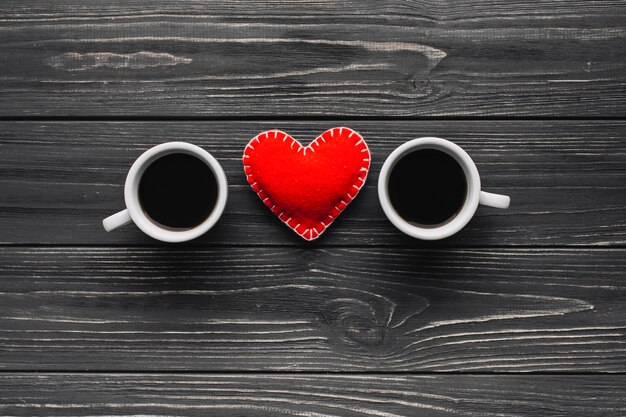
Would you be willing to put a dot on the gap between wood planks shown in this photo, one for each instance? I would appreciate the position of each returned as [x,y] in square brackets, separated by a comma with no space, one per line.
[302,373]
[279,118]
[305,245]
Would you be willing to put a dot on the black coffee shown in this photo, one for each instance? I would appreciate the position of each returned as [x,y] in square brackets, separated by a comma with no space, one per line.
[427,187]
[178,190]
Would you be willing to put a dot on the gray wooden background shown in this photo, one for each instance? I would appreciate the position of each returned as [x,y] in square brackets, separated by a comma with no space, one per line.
[521,314]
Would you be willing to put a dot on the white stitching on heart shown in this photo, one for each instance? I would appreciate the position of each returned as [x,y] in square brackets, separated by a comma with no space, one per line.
[350,197]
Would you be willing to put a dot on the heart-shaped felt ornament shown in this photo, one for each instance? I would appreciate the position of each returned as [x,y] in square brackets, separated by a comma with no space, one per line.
[307,187]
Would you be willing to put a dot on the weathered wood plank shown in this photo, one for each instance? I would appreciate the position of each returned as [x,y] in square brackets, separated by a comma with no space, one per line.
[567,181]
[392,58]
[334,309]
[310,395]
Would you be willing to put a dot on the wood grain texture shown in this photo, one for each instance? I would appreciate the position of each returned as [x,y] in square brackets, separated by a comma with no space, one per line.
[333,309]
[311,395]
[271,58]
[567,181]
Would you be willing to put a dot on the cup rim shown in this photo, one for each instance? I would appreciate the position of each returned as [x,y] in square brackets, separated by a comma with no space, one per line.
[150,227]
[473,189]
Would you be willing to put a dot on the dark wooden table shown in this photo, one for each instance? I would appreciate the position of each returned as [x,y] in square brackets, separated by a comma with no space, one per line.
[521,314]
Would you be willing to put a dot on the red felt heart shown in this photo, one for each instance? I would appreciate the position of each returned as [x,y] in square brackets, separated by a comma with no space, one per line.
[307,187]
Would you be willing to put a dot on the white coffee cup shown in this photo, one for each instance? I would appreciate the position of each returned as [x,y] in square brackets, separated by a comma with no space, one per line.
[474,194]
[135,213]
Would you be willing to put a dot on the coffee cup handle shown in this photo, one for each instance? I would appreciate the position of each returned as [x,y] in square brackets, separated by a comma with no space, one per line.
[494,200]
[119,219]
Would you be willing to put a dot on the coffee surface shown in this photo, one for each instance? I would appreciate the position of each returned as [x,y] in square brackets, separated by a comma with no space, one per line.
[178,190]
[427,187]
